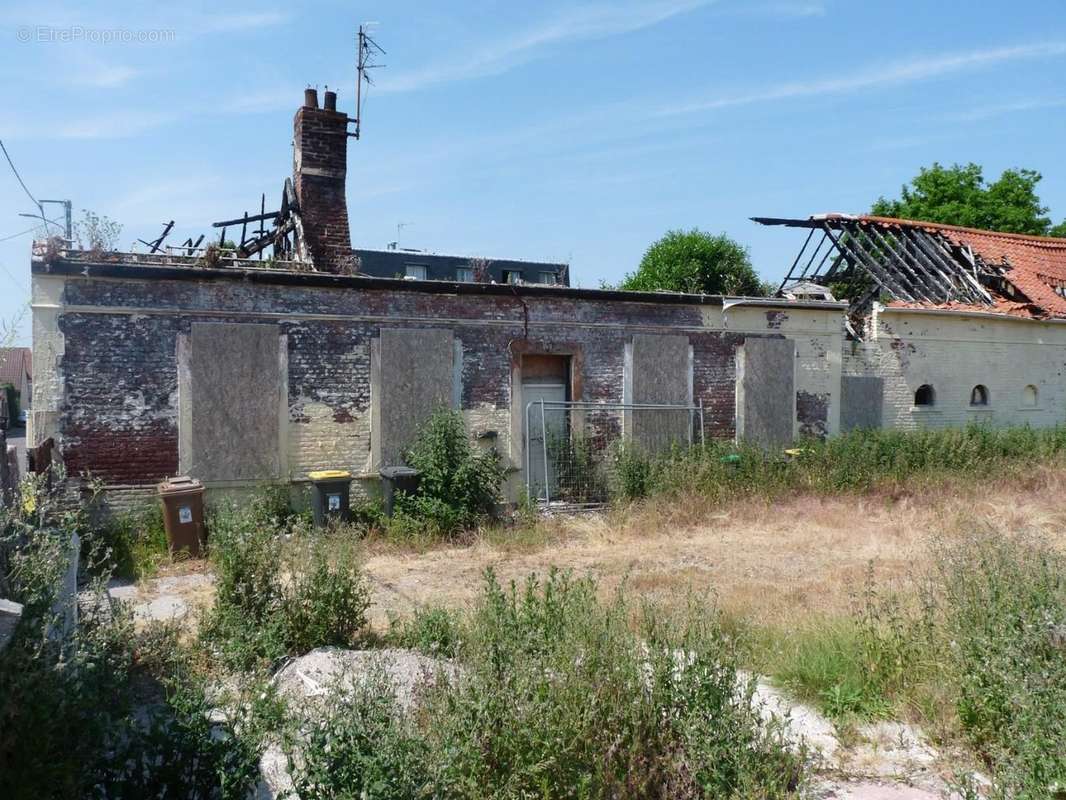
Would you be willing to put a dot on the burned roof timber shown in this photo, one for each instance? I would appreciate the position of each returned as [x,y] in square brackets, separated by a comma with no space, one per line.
[878,258]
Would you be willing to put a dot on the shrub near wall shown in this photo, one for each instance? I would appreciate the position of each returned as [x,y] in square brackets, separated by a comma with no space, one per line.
[459,486]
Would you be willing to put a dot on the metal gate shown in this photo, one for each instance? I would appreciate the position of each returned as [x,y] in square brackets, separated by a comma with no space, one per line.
[572,447]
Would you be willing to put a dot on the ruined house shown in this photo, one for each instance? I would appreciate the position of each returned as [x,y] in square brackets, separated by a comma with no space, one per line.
[162,363]
[155,364]
[946,326]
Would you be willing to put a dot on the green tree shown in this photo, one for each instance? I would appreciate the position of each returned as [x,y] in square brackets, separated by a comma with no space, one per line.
[696,262]
[959,195]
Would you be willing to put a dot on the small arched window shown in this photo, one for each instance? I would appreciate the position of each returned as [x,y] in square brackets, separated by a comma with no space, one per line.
[924,396]
[979,395]
[1029,396]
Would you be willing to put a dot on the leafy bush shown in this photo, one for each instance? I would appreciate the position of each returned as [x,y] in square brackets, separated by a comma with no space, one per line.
[103,710]
[279,590]
[363,747]
[433,631]
[558,696]
[327,600]
[459,486]
[186,740]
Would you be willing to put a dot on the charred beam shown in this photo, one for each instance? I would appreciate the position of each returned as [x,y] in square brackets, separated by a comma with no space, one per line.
[256,218]
[870,265]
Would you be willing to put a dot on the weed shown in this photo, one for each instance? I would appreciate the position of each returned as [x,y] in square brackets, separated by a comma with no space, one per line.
[458,485]
[557,695]
[280,590]
[137,542]
[327,601]
[1004,617]
[433,631]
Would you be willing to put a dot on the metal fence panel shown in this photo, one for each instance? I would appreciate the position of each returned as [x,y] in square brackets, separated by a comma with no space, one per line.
[573,448]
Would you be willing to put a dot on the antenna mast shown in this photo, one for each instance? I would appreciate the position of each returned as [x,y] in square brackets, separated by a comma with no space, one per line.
[367,49]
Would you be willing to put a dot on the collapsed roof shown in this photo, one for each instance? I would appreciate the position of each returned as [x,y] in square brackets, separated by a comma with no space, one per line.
[872,258]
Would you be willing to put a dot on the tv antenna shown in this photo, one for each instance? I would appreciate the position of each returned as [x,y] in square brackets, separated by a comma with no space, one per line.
[368,49]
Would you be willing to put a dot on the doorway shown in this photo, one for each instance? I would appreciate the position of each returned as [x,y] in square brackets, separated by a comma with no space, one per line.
[545,378]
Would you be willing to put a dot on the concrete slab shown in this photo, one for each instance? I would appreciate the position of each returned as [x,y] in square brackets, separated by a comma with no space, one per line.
[163,609]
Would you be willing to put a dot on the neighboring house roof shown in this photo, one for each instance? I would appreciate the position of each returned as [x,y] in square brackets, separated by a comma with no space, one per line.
[928,264]
[394,263]
[1036,265]
[16,367]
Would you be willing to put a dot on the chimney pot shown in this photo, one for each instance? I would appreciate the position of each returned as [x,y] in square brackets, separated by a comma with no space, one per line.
[330,100]
[310,98]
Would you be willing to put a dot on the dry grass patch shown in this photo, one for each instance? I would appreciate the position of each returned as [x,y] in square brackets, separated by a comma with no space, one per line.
[773,563]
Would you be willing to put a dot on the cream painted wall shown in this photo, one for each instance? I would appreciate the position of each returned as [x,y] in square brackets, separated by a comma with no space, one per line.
[953,352]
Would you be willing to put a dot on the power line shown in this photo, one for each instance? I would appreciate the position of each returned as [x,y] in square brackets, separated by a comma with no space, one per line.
[22,183]
[11,278]
[29,230]
[20,233]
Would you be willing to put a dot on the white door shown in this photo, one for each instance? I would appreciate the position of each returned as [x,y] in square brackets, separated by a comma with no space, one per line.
[542,473]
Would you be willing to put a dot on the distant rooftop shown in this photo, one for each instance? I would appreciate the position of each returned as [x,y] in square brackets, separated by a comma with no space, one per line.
[436,266]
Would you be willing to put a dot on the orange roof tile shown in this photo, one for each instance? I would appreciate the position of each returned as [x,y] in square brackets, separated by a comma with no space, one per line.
[1036,265]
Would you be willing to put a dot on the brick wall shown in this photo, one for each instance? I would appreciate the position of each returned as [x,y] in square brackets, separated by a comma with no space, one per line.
[117,368]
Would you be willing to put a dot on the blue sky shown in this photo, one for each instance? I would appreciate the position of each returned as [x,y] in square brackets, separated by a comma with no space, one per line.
[564,131]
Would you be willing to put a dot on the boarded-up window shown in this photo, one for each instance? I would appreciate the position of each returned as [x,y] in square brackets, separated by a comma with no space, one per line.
[412,374]
[660,373]
[861,398]
[766,371]
[230,398]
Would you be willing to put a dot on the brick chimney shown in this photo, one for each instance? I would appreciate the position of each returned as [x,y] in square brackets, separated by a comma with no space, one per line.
[319,166]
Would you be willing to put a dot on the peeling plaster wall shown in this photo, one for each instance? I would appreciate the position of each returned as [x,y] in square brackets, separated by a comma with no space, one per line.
[48,348]
[955,352]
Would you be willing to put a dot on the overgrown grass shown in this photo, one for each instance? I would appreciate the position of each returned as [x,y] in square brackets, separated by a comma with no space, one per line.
[976,652]
[559,696]
[137,541]
[853,462]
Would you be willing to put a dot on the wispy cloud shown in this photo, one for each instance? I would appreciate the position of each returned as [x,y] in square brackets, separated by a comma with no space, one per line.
[103,76]
[241,21]
[116,124]
[780,9]
[892,74]
[576,24]
[983,111]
